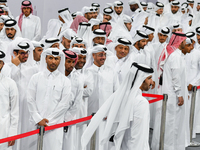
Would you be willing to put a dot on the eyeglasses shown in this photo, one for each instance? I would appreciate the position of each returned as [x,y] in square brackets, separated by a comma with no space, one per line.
[24,53]
[101,55]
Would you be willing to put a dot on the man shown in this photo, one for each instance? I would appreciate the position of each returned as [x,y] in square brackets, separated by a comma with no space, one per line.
[66,38]
[149,31]
[49,97]
[78,42]
[52,43]
[30,25]
[134,5]
[125,113]
[108,15]
[174,84]
[191,3]
[197,38]
[22,69]
[88,12]
[56,26]
[9,107]
[105,83]
[177,28]
[87,78]
[98,37]
[98,14]
[118,10]
[37,51]
[144,5]
[70,139]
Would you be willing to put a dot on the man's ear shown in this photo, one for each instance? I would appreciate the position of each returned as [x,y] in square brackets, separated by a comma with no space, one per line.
[15,53]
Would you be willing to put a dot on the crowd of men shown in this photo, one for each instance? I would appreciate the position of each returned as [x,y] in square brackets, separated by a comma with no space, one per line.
[100,62]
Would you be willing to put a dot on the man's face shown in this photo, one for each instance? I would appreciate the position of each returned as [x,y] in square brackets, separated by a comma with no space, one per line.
[107,17]
[89,15]
[37,53]
[118,10]
[129,26]
[121,51]
[191,4]
[55,45]
[160,11]
[69,64]
[81,61]
[134,7]
[1,64]
[95,14]
[52,62]
[174,9]
[79,45]
[142,43]
[66,42]
[146,84]
[162,37]
[198,38]
[26,11]
[94,27]
[10,32]
[1,26]
[144,8]
[99,40]
[99,58]
[23,55]
[188,48]
[150,37]
[177,30]
[190,22]
[182,45]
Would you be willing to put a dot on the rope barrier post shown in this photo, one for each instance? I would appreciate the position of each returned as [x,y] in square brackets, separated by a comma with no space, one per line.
[192,111]
[40,138]
[93,139]
[163,120]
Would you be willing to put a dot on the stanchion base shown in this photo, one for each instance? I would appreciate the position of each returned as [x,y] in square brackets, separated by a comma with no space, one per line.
[194,144]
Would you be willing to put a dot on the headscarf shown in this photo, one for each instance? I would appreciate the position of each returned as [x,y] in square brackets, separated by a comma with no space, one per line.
[54,52]
[118,108]
[176,39]
[2,56]
[11,23]
[79,51]
[77,21]
[24,4]
[78,40]
[106,26]
[50,41]
[71,55]
[82,28]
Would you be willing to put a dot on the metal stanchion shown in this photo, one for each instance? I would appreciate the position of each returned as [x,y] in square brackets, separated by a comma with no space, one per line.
[93,141]
[40,138]
[192,111]
[163,120]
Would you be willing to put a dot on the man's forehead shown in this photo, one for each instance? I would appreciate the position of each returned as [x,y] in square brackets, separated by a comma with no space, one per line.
[53,56]
[10,28]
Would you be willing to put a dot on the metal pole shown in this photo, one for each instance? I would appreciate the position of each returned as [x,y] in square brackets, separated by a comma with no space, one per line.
[192,111]
[40,138]
[93,141]
[163,120]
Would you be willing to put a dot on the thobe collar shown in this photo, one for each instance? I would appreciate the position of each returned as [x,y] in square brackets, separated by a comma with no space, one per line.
[135,50]
[53,74]
[30,16]
[71,73]
[96,68]
[121,60]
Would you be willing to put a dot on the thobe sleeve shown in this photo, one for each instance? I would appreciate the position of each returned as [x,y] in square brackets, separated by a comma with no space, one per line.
[14,104]
[89,82]
[15,73]
[37,35]
[176,76]
[63,105]
[196,80]
[31,99]
[116,82]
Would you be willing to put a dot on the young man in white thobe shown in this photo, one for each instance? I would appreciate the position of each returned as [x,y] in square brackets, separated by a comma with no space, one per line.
[49,98]
[125,113]
[174,84]
[29,24]
[9,107]
[37,51]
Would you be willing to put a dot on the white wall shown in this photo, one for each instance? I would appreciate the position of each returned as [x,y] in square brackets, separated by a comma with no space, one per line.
[47,9]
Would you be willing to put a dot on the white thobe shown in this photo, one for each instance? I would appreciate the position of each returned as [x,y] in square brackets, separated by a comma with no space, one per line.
[105,84]
[49,97]
[174,84]
[31,27]
[70,141]
[193,76]
[9,109]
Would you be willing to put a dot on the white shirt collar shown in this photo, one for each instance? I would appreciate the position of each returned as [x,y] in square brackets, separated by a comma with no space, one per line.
[48,73]
[30,16]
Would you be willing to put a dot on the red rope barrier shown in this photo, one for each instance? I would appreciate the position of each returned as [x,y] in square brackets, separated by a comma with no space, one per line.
[198,87]
[152,95]
[155,100]
[23,135]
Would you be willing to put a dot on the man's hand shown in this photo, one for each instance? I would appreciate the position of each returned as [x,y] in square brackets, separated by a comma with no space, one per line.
[190,87]
[16,60]
[153,85]
[180,101]
[43,122]
[11,143]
